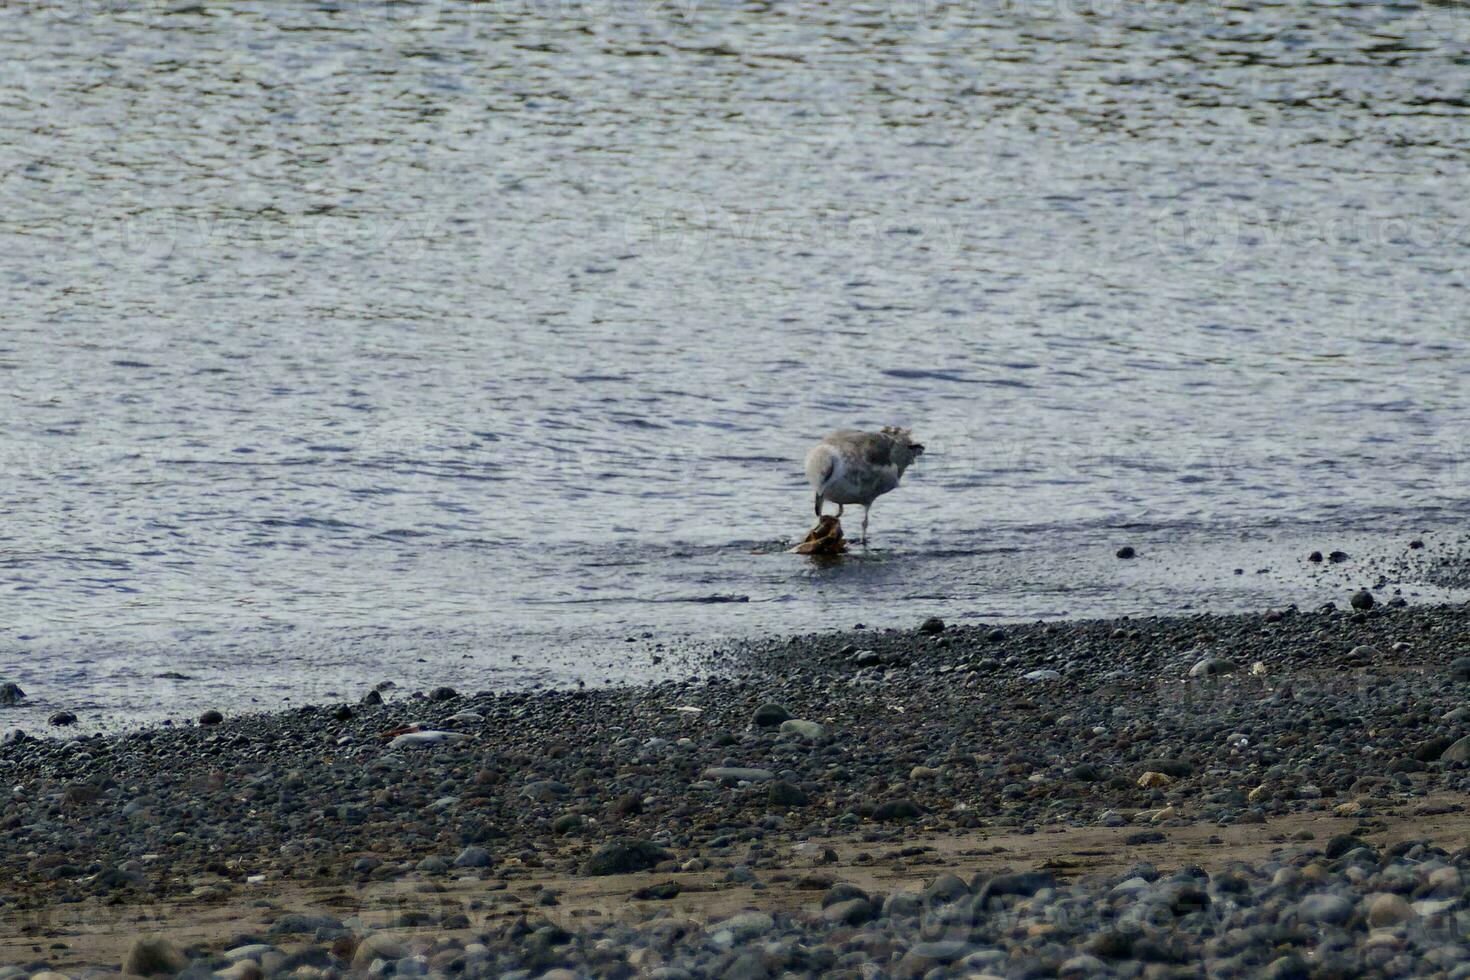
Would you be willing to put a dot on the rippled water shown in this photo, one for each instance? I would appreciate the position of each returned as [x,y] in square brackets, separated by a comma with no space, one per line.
[465,341]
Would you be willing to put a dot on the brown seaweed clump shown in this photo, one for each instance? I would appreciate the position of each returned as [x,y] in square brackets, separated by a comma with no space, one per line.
[824,539]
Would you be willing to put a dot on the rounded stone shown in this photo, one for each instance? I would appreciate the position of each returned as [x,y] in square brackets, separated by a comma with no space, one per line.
[809,730]
[1388,909]
[150,957]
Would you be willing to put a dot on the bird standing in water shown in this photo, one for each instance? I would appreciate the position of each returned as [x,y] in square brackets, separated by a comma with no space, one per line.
[853,467]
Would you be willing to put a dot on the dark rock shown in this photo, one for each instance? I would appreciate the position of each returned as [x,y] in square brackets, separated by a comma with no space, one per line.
[624,856]
[211,717]
[895,810]
[852,912]
[1434,748]
[1457,752]
[769,715]
[151,957]
[443,694]
[843,891]
[10,693]
[567,823]
[1126,551]
[1111,944]
[62,718]
[1021,883]
[1362,599]
[1342,843]
[628,805]
[1315,557]
[660,892]
[932,626]
[342,713]
[1145,837]
[788,794]
[372,697]
[944,889]
[297,922]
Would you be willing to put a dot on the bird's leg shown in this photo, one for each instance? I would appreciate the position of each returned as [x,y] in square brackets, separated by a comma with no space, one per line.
[819,505]
[865,525]
[839,510]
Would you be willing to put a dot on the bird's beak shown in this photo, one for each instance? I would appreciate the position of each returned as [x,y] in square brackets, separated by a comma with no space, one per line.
[917,448]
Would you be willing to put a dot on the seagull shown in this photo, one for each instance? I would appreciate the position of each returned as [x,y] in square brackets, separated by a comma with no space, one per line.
[854,467]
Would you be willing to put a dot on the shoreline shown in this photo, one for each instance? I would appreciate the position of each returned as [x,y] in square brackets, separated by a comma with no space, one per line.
[1144,745]
[115,683]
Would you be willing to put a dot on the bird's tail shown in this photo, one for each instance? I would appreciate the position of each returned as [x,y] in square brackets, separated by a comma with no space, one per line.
[821,464]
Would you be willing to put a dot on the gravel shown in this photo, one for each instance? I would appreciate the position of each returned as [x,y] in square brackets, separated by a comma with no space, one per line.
[974,729]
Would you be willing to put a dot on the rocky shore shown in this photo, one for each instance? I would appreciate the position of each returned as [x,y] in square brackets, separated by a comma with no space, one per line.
[1279,794]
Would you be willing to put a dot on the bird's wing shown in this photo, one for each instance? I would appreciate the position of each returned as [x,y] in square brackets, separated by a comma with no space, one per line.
[873,448]
[878,451]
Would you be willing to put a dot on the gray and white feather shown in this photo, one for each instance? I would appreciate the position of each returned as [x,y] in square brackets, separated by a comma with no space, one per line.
[854,467]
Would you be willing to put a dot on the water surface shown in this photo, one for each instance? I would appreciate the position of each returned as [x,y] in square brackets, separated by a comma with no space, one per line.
[465,342]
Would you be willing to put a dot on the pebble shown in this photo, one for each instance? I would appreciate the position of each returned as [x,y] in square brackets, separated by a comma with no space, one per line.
[1212,666]
[378,946]
[809,730]
[1326,908]
[211,717]
[1459,751]
[410,740]
[62,719]
[10,693]
[473,857]
[851,912]
[1388,909]
[153,956]
[746,925]
[738,774]
[1362,600]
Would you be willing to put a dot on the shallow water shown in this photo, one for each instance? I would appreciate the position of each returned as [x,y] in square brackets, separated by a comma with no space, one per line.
[355,341]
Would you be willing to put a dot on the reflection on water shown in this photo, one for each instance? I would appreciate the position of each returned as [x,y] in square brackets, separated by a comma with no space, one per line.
[341,335]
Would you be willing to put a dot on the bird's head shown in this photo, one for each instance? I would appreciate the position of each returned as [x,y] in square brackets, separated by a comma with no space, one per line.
[905,449]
